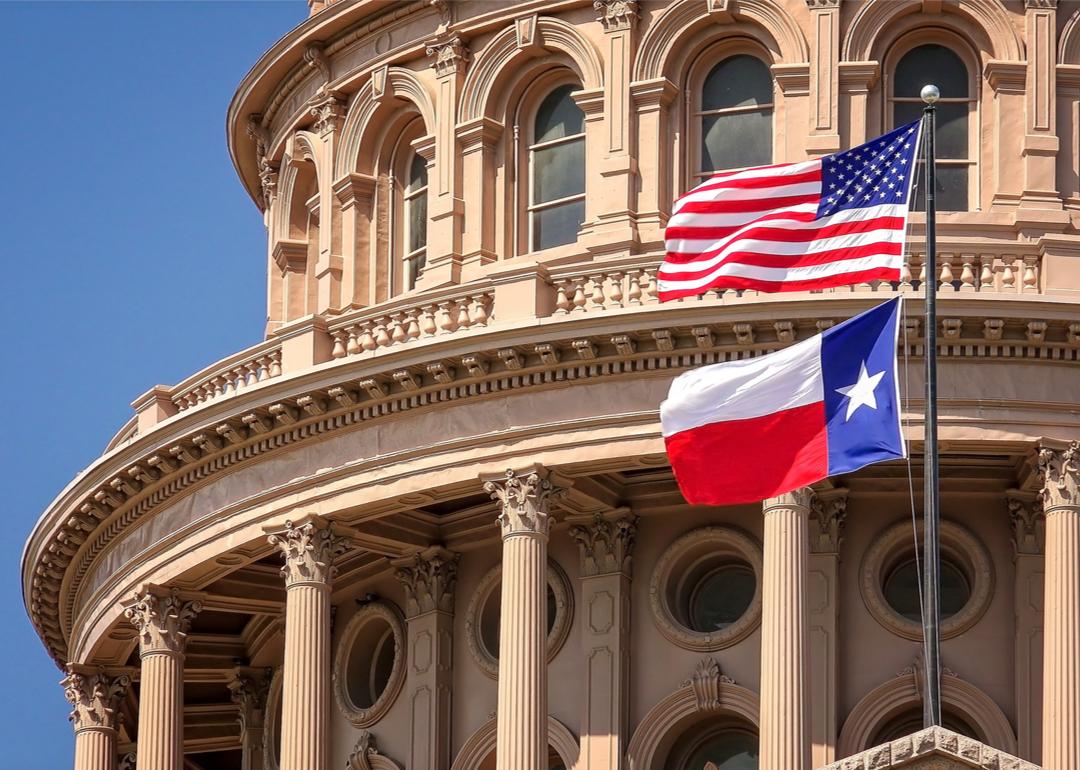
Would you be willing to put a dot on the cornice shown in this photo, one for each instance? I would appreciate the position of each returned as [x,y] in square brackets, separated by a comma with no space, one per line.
[107,498]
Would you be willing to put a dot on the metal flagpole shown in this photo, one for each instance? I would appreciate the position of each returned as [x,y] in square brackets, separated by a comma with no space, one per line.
[931,611]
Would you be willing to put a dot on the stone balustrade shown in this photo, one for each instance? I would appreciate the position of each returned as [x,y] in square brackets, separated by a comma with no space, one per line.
[230,376]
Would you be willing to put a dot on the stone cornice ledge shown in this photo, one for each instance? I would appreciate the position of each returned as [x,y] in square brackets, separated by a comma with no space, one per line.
[919,749]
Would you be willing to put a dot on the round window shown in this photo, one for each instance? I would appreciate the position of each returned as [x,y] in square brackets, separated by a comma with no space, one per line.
[482,617]
[706,589]
[902,587]
[369,668]
[889,580]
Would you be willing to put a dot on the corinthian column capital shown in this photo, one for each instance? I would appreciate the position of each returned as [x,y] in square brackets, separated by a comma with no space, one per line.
[328,109]
[94,696]
[606,543]
[1060,472]
[248,689]
[828,512]
[616,15]
[801,498]
[309,546]
[525,499]
[162,618]
[429,578]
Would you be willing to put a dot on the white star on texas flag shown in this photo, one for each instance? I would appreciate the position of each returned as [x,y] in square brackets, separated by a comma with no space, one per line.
[862,392]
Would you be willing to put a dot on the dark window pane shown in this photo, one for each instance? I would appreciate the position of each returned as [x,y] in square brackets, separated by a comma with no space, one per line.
[557,225]
[558,116]
[417,222]
[951,189]
[730,750]
[417,174]
[559,171]
[736,140]
[902,590]
[721,597]
[931,64]
[952,126]
[741,81]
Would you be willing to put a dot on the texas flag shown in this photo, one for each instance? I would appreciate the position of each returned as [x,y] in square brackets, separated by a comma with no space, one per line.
[743,431]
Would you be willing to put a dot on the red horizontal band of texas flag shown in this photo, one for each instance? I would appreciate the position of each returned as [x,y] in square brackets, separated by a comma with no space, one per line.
[815,224]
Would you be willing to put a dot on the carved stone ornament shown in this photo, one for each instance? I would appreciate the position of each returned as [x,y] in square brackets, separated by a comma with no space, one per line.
[329,113]
[309,549]
[616,14]
[162,619]
[525,501]
[1060,471]
[445,11]
[828,512]
[450,55]
[95,698]
[258,133]
[429,579]
[707,681]
[357,650]
[249,692]
[929,749]
[1028,523]
[818,5]
[268,179]
[606,545]
[1041,5]
[366,756]
[315,57]
[127,762]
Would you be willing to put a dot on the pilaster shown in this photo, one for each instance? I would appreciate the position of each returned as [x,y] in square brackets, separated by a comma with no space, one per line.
[615,226]
[1059,467]
[310,546]
[651,101]
[429,579]
[824,128]
[328,109]
[606,544]
[162,618]
[1041,142]
[1029,548]
[856,78]
[446,207]
[827,514]
[524,518]
[477,142]
[1008,80]
[785,676]
[95,697]
[249,689]
[355,196]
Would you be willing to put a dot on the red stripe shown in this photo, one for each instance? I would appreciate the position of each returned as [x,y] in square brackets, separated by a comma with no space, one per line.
[675,232]
[826,282]
[758,182]
[783,234]
[788,261]
[743,461]
[740,206]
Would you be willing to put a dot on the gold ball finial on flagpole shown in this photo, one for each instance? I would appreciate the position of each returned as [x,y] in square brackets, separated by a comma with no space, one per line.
[930,94]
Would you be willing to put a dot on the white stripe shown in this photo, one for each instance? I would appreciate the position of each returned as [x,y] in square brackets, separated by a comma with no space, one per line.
[752,173]
[786,248]
[751,218]
[739,390]
[734,218]
[779,190]
[784,274]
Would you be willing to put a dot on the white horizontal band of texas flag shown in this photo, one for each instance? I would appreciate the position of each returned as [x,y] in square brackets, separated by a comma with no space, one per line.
[746,430]
[833,221]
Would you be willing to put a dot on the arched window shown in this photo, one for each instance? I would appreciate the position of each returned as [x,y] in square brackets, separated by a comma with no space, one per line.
[735,116]
[955,148]
[725,744]
[556,171]
[414,238]
[911,721]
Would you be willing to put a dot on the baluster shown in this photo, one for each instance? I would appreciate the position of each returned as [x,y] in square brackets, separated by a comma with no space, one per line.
[1031,276]
[382,336]
[463,319]
[597,296]
[352,344]
[922,272]
[275,364]
[413,330]
[1008,277]
[398,333]
[967,272]
[446,317]
[633,294]
[986,272]
[427,321]
[367,337]
[579,295]
[616,294]
[905,275]
[652,290]
[563,293]
[946,276]
[340,338]
[480,310]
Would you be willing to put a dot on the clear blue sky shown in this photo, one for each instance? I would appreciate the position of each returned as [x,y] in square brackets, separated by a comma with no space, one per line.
[130,253]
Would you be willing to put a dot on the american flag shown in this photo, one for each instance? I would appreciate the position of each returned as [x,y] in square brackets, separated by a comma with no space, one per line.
[833,221]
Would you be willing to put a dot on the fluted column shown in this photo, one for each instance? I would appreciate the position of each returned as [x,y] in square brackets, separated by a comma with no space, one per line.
[785,733]
[521,733]
[249,688]
[1060,470]
[606,545]
[310,547]
[429,578]
[95,698]
[162,618]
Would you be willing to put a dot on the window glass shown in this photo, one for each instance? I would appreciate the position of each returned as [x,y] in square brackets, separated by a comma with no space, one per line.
[489,618]
[557,225]
[558,116]
[557,170]
[728,750]
[721,597]
[901,590]
[909,722]
[416,206]
[931,64]
[736,115]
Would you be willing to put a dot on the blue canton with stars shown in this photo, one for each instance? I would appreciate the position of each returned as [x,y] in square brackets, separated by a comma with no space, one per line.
[871,174]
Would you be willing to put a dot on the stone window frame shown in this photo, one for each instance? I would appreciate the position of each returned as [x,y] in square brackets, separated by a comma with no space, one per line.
[959,544]
[956,42]
[372,612]
[560,629]
[696,74]
[271,739]
[727,539]
[397,168]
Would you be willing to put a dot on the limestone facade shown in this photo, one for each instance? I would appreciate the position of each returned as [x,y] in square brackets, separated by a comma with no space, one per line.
[428,523]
